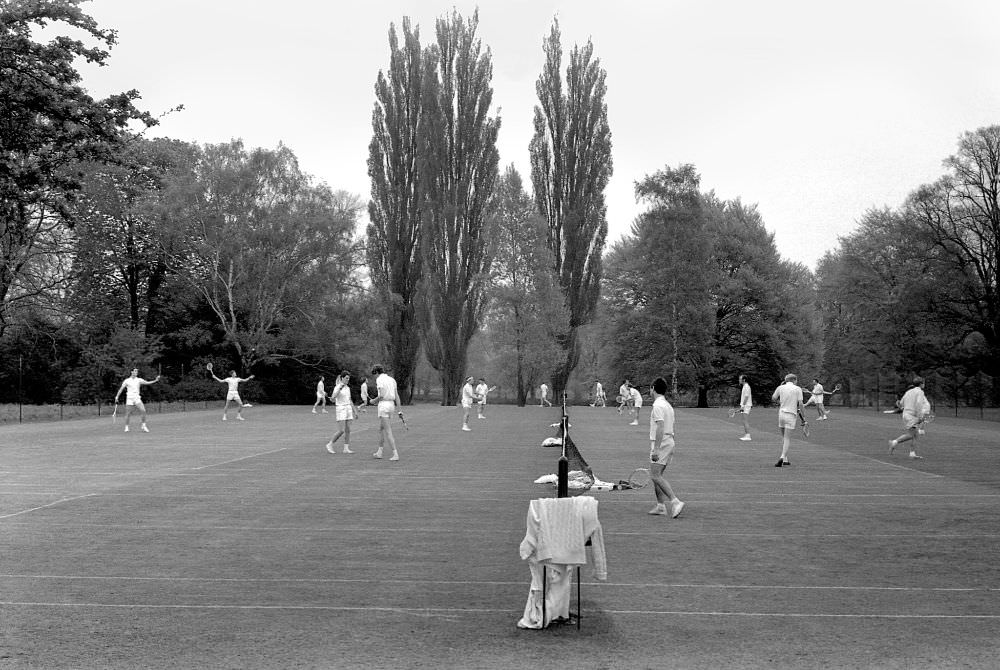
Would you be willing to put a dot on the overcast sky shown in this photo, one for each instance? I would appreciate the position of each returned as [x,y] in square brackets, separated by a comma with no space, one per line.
[814,111]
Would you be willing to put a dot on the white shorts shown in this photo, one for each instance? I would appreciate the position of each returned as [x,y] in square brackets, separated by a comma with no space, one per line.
[787,420]
[637,402]
[385,408]
[136,403]
[345,412]
[662,455]
[320,395]
[234,396]
[467,404]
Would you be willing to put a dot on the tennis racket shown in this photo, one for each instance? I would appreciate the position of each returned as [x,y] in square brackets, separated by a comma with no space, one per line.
[208,366]
[639,478]
[403,419]
[114,415]
[805,424]
[836,389]
[733,411]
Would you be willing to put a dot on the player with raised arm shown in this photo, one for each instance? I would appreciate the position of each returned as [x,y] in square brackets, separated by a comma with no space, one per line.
[133,400]
[387,402]
[232,392]
[344,408]
[915,410]
[482,390]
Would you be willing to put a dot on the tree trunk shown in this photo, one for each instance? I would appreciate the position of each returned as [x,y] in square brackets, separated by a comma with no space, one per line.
[702,396]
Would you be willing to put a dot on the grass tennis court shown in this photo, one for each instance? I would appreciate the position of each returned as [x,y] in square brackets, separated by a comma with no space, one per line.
[247,545]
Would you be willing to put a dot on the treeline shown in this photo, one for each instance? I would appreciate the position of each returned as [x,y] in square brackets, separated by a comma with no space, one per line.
[120,251]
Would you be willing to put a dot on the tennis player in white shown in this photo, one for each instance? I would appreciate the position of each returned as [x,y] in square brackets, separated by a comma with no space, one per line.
[133,401]
[387,402]
[817,398]
[232,393]
[468,397]
[789,399]
[320,396]
[482,390]
[636,396]
[661,449]
[344,409]
[746,403]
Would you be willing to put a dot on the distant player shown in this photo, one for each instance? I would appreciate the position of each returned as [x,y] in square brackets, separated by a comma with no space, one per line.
[468,398]
[915,407]
[387,402]
[133,400]
[232,393]
[817,398]
[344,409]
[624,395]
[600,399]
[746,403]
[482,390]
[661,450]
[543,393]
[636,405]
[320,396]
[789,399]
[365,399]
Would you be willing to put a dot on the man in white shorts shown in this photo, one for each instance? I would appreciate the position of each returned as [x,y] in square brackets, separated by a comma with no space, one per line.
[543,391]
[344,412]
[320,396]
[387,402]
[624,395]
[661,450]
[636,401]
[789,399]
[746,402]
[482,390]
[468,397]
[232,393]
[816,398]
[133,401]
[915,407]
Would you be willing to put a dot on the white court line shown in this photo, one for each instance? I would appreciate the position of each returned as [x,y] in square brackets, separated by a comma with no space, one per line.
[484,531]
[51,504]
[243,458]
[487,582]
[451,611]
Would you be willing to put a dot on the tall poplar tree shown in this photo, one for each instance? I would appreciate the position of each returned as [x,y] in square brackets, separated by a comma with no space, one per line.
[394,211]
[570,168]
[459,147]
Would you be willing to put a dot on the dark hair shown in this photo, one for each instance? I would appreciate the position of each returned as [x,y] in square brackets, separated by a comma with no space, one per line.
[918,380]
[660,385]
[377,370]
[744,379]
[345,373]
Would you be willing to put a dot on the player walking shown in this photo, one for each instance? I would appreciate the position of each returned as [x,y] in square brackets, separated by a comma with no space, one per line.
[232,393]
[789,399]
[320,396]
[915,408]
[387,402]
[133,400]
[661,450]
[543,392]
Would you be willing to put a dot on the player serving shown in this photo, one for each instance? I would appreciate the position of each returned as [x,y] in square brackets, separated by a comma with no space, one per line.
[133,401]
[232,393]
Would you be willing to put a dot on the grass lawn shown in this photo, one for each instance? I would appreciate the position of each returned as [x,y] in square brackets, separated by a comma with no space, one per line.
[205,544]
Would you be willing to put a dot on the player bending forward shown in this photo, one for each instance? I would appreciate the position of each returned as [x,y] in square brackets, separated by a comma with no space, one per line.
[232,393]
[916,408]
[133,401]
